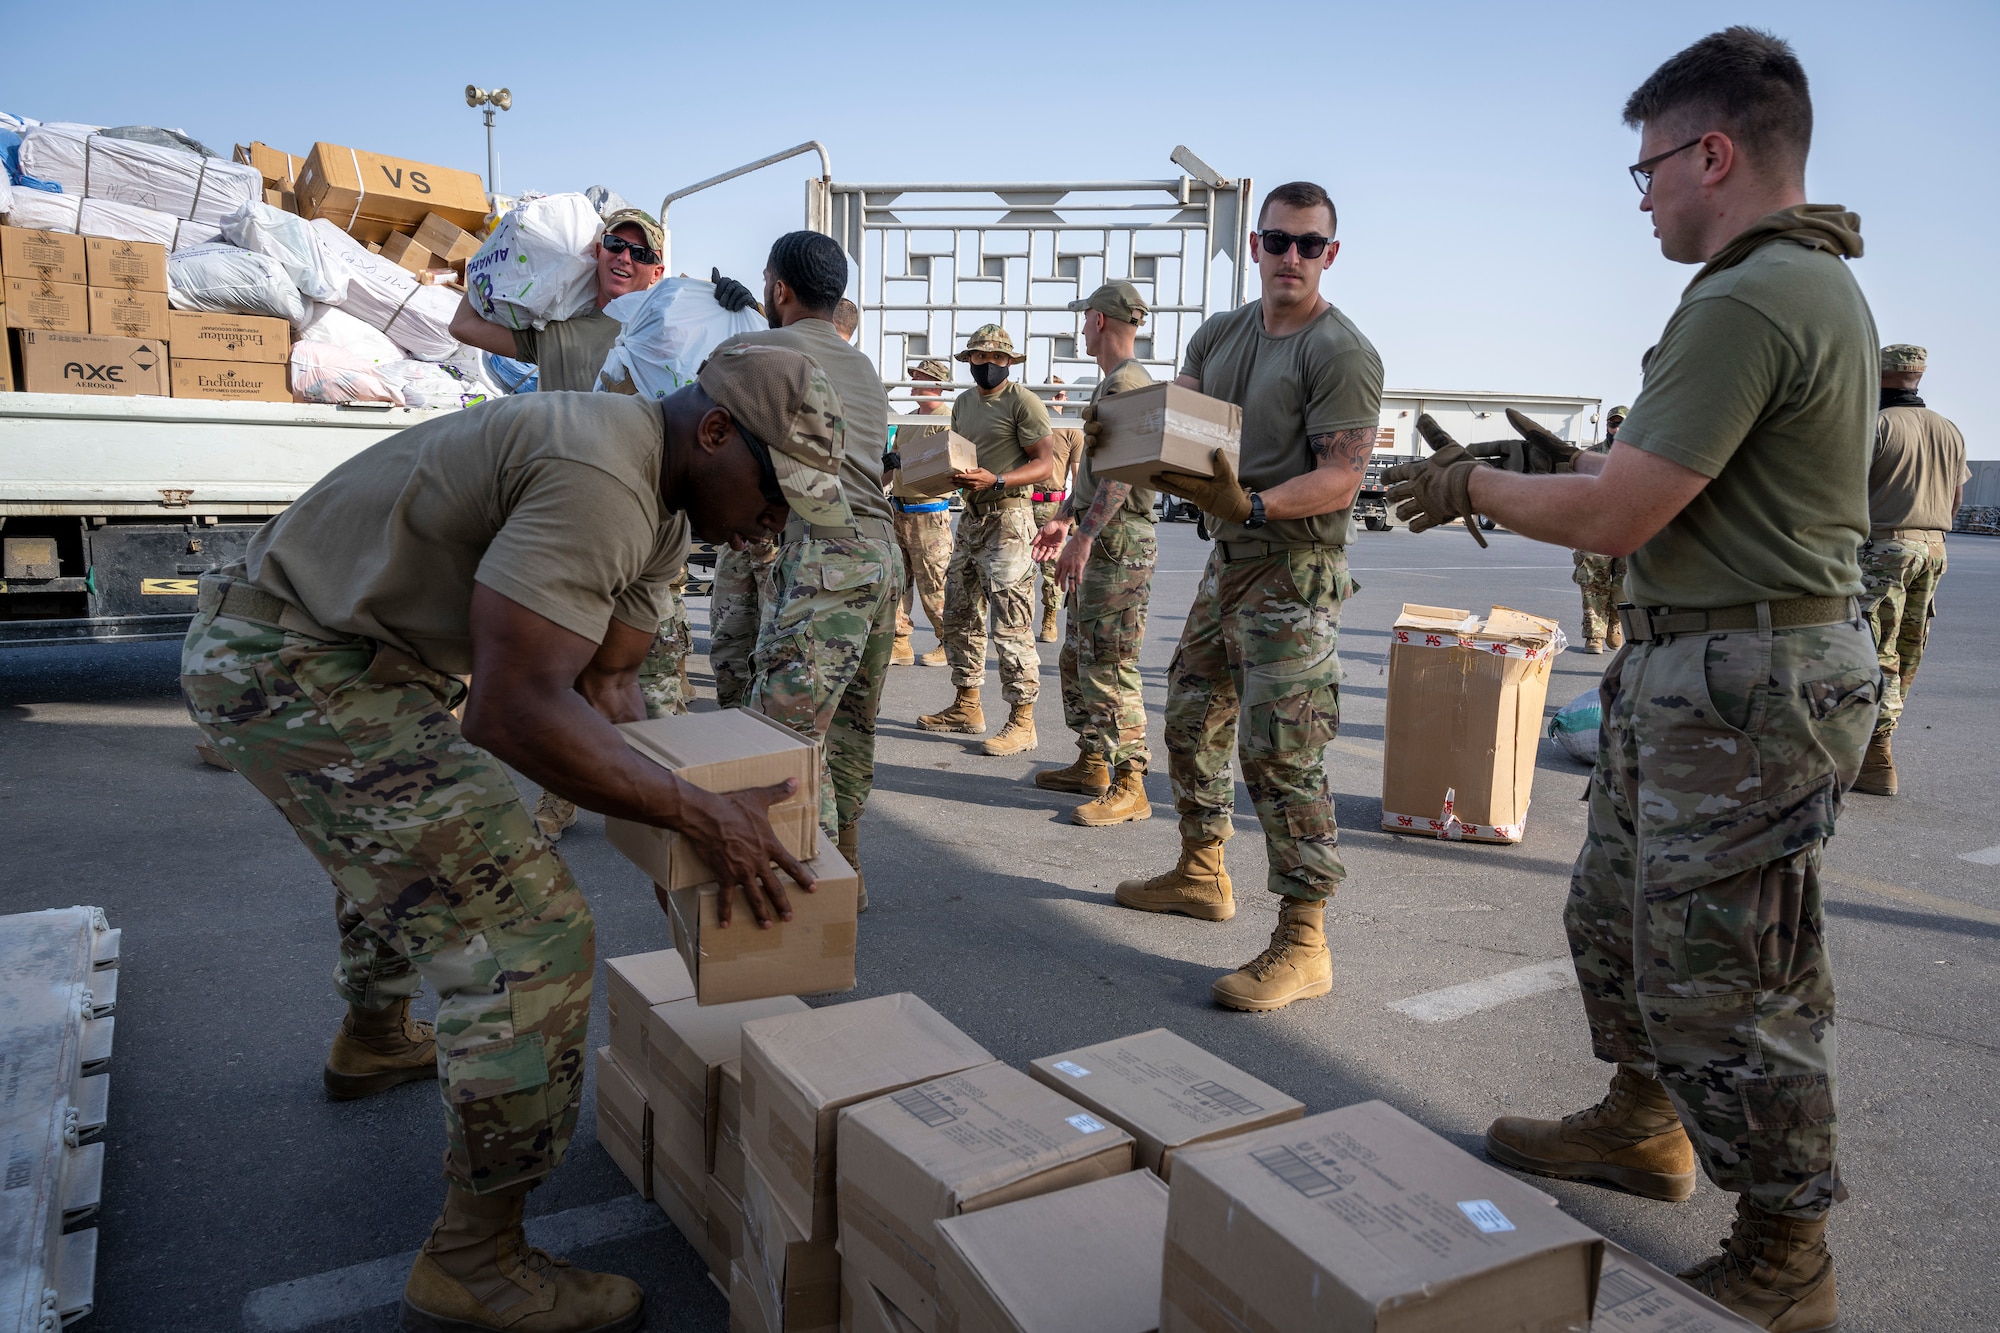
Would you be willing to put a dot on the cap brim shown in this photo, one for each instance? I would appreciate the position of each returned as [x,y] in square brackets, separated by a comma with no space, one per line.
[813,495]
[1084,304]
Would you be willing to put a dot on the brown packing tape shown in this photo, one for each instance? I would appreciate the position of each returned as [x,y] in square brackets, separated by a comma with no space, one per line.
[789,1152]
[880,1227]
[1211,1304]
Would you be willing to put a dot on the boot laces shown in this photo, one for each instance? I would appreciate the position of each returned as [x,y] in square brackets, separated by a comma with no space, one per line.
[1277,954]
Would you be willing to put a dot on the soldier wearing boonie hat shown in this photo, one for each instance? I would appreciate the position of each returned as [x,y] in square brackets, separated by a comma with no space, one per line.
[923,525]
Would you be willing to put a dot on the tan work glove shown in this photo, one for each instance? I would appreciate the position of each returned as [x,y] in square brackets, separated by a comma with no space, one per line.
[1433,491]
[1221,495]
[1545,451]
[1093,433]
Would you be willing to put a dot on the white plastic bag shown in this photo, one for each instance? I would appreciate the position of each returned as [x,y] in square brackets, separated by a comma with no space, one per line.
[385,295]
[104,217]
[335,327]
[537,265]
[668,332]
[424,384]
[315,268]
[166,180]
[326,373]
[228,277]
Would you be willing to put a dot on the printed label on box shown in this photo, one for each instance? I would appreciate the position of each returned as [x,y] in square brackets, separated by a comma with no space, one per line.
[1085,1123]
[1072,1068]
[1485,1216]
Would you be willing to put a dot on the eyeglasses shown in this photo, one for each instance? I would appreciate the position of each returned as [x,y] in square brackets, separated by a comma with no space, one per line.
[1278,242]
[1642,172]
[641,254]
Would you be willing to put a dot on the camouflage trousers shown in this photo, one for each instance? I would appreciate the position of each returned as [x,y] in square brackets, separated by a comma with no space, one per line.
[1602,578]
[440,870]
[1099,662]
[1695,913]
[1052,593]
[926,543]
[735,610]
[991,566]
[823,655]
[1257,671]
[663,675]
[1901,578]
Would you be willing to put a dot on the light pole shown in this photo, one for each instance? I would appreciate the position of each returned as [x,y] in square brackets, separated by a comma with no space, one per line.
[497,100]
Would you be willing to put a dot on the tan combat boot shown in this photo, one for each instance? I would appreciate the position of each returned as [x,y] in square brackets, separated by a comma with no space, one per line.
[1049,632]
[1633,1139]
[1089,775]
[1017,735]
[477,1271]
[1614,638]
[1197,886]
[849,843]
[1593,646]
[1878,770]
[1123,803]
[1774,1271]
[964,715]
[901,654]
[553,815]
[1295,966]
[935,657]
[376,1049]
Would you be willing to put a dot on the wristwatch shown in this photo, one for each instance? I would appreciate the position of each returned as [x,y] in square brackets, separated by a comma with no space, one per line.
[999,483]
[1256,519]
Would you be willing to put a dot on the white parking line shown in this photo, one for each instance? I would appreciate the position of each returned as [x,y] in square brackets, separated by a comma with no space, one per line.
[309,1301]
[1454,1002]
[1985,856]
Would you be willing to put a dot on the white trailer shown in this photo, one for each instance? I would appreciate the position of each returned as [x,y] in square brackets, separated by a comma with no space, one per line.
[1470,416]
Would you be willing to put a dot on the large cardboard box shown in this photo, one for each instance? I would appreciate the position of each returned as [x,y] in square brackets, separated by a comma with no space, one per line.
[1166,1092]
[799,1070]
[689,1216]
[232,381]
[1361,1219]
[349,186]
[687,1047]
[866,1310]
[139,266]
[6,356]
[634,984]
[1465,721]
[406,252]
[724,751]
[1087,1257]
[1635,1297]
[954,1145]
[729,1158]
[451,243]
[725,1222]
[130,313]
[1164,428]
[86,363]
[677,1165]
[925,442]
[203,335]
[811,954]
[54,256]
[51,307]
[279,169]
[624,1121]
[794,1281]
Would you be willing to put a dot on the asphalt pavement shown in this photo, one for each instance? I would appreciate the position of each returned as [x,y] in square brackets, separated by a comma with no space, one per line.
[236,1196]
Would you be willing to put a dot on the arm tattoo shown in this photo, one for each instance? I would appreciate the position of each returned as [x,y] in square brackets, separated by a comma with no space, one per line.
[1110,495]
[1349,448]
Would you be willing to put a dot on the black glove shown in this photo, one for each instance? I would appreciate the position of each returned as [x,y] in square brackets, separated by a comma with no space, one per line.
[892,461]
[730,294]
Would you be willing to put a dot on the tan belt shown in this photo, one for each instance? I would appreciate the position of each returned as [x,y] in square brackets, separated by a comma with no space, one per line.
[1643,624]
[1906,534]
[878,529]
[1231,552]
[227,597]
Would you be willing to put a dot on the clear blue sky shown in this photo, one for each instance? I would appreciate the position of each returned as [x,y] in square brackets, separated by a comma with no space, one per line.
[1491,237]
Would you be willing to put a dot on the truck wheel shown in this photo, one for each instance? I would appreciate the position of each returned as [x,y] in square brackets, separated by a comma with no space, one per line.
[1376,524]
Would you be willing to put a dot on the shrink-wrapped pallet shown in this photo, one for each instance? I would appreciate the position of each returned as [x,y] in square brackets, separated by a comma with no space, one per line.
[38,210]
[166,180]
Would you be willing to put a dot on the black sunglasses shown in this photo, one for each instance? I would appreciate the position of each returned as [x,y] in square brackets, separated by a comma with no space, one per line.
[1277,242]
[641,254]
[1642,172]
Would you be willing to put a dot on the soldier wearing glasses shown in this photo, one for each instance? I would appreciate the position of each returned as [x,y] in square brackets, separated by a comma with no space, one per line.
[1259,644]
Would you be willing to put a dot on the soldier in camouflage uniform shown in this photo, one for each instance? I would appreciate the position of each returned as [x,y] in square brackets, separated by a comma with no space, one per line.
[742,594]
[328,677]
[1602,577]
[923,527]
[1050,500]
[1736,714]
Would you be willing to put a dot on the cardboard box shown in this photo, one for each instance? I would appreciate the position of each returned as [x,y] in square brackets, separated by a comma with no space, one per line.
[1087,1257]
[954,1145]
[677,1160]
[202,335]
[130,313]
[720,752]
[687,1046]
[406,252]
[1465,721]
[52,307]
[232,381]
[1166,1092]
[624,1121]
[349,186]
[139,266]
[1361,1219]
[929,460]
[725,1221]
[54,256]
[794,1281]
[728,1165]
[279,169]
[799,1070]
[1635,1297]
[689,1216]
[866,1310]
[1164,428]
[745,1315]
[6,355]
[451,243]
[811,954]
[87,363]
[634,984]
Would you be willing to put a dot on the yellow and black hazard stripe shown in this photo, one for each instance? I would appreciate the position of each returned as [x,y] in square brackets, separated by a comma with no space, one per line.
[170,587]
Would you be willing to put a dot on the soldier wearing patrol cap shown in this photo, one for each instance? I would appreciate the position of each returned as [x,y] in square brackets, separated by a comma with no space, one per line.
[923,524]
[1602,577]
[1107,553]
[326,668]
[991,562]
[1915,482]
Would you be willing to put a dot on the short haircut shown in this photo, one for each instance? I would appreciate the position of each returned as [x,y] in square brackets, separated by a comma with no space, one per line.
[1746,83]
[1301,194]
[812,265]
[846,317]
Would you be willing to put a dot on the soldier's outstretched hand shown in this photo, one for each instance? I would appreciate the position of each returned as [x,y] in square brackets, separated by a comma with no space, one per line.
[1435,490]
[733,834]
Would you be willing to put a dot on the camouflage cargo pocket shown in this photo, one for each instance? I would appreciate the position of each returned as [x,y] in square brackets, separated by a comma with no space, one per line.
[227,698]
[498,1088]
[1290,707]
[1844,710]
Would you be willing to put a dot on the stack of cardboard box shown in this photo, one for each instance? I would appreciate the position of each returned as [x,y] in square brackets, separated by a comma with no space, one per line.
[232,358]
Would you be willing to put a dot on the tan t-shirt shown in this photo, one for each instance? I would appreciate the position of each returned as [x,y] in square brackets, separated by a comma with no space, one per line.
[1765,380]
[1069,447]
[1919,465]
[1320,379]
[1126,375]
[550,499]
[569,351]
[864,407]
[1002,426]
